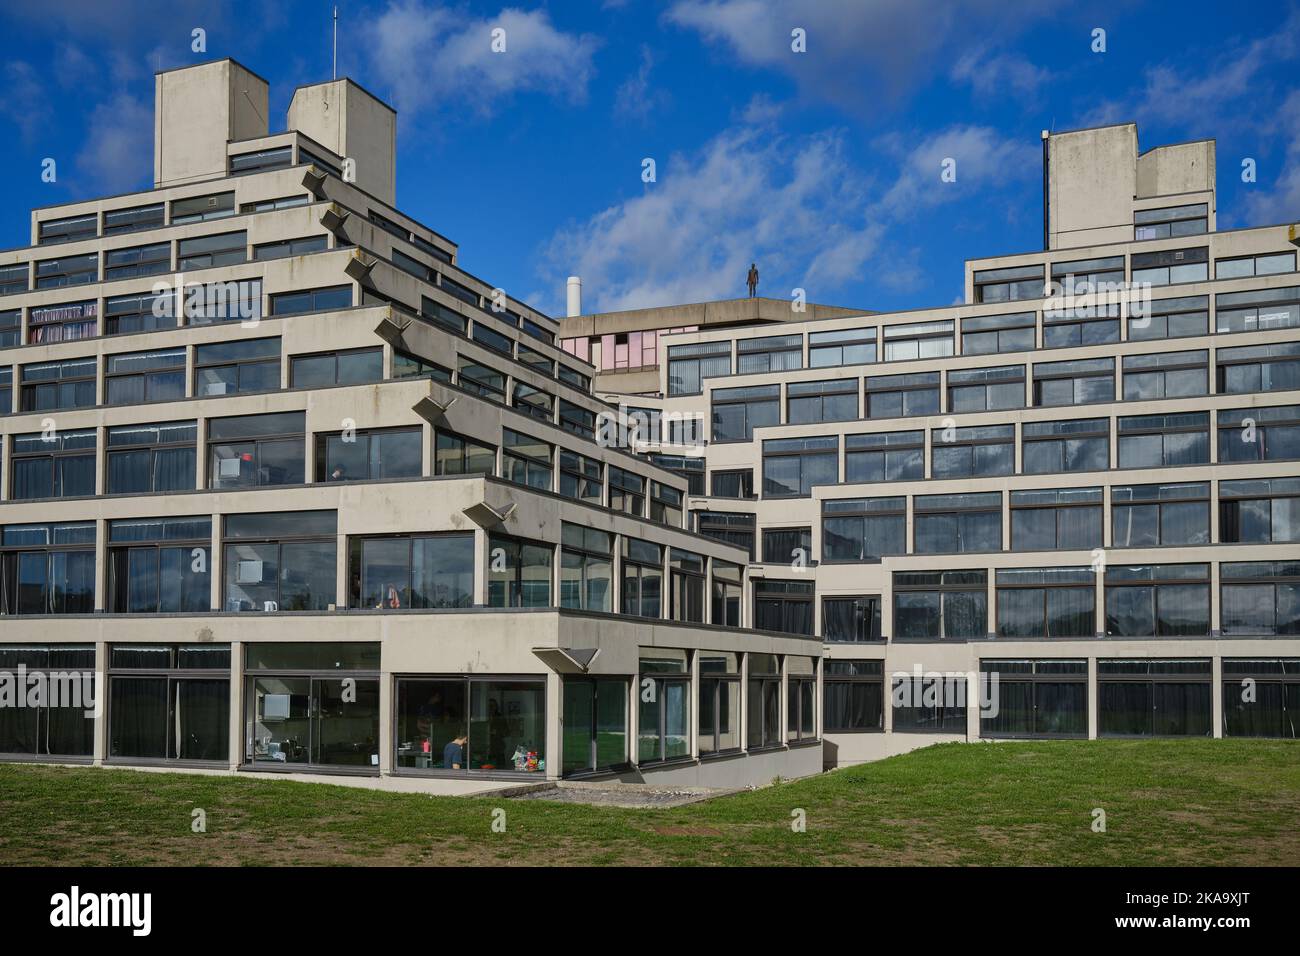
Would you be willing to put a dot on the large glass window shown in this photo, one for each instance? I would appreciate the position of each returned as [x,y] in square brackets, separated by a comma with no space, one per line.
[457,455]
[406,365]
[370,455]
[57,464]
[288,248]
[249,451]
[686,595]
[1259,368]
[1250,266]
[1170,266]
[137,262]
[1259,598]
[1161,600]
[986,389]
[133,219]
[244,365]
[1257,310]
[1145,516]
[471,724]
[134,377]
[734,528]
[586,568]
[47,569]
[812,402]
[215,302]
[411,571]
[886,456]
[526,460]
[595,724]
[1047,698]
[149,458]
[1259,434]
[918,340]
[56,728]
[841,347]
[580,477]
[66,322]
[784,606]
[728,591]
[853,620]
[207,252]
[67,229]
[1170,222]
[351,367]
[533,402]
[643,577]
[169,702]
[1259,511]
[202,208]
[626,492]
[690,365]
[49,386]
[1153,698]
[280,561]
[159,565]
[1164,441]
[929,705]
[1086,276]
[980,452]
[863,529]
[1082,325]
[957,524]
[1046,603]
[329,299]
[1078,382]
[763,710]
[719,721]
[940,605]
[990,334]
[801,698]
[1169,318]
[519,572]
[736,412]
[481,380]
[1009,285]
[692,469]
[1158,375]
[902,396]
[666,504]
[1056,519]
[791,546]
[664,717]
[793,466]
[855,696]
[772,353]
[1261,698]
[67,271]
[14,278]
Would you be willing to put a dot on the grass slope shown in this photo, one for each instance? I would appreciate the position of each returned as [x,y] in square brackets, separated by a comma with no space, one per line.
[1207,802]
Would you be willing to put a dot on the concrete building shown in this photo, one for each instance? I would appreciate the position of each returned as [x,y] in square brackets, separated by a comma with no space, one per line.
[285,488]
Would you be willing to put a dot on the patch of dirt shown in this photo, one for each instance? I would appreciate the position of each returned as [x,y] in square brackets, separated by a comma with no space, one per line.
[687,831]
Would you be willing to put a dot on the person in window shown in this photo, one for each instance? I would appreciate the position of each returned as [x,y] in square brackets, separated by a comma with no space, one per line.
[338,474]
[453,755]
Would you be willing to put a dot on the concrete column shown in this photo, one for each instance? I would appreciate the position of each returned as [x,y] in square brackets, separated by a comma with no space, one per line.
[1092,697]
[101,564]
[692,717]
[555,726]
[216,561]
[237,704]
[1216,695]
[100,746]
[387,717]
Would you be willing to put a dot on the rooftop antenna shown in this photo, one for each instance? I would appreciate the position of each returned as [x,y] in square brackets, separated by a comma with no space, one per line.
[336,42]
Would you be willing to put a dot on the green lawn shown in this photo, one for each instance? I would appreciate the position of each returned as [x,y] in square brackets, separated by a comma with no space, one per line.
[1167,802]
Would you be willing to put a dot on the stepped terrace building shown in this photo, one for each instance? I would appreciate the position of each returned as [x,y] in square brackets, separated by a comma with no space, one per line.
[283,488]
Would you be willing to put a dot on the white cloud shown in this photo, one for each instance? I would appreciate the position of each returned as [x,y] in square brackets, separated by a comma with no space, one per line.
[26,102]
[635,98]
[118,151]
[992,76]
[425,55]
[982,160]
[1279,202]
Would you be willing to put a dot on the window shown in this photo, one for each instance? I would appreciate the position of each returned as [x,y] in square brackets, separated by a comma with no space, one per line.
[686,586]
[627,492]
[242,365]
[6,390]
[169,702]
[863,529]
[728,591]
[1153,698]
[13,278]
[1170,266]
[1259,511]
[519,572]
[719,702]
[728,527]
[990,334]
[665,504]
[918,340]
[133,219]
[137,262]
[455,289]
[1169,318]
[1146,516]
[370,455]
[980,452]
[351,367]
[457,455]
[792,466]
[1083,325]
[526,460]
[595,725]
[1272,708]
[1259,434]
[143,459]
[1056,519]
[57,465]
[69,229]
[902,396]
[66,271]
[764,701]
[234,301]
[811,402]
[580,477]
[134,377]
[855,696]
[738,483]
[784,606]
[1171,222]
[306,158]
[929,705]
[958,524]
[576,419]
[1259,599]
[1259,368]
[406,365]
[772,353]
[940,605]
[412,266]
[69,322]
[280,561]
[1088,276]
[206,252]
[459,724]
[1160,600]
[586,568]
[287,248]
[443,315]
[411,571]
[64,731]
[159,565]
[1066,446]
[801,698]
[1155,441]
[1046,603]
[11,323]
[791,546]
[481,380]
[1046,698]
[1009,285]
[1247,266]
[261,160]
[1257,310]
[643,575]
[202,208]
[533,402]
[47,569]
[851,620]
[1079,382]
[736,412]
[312,300]
[1166,375]
[52,385]
[841,347]
[250,451]
[664,718]
[493,340]
[536,361]
[887,456]
[312,705]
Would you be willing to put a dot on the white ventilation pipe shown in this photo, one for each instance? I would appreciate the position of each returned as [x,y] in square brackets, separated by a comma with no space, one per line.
[575,296]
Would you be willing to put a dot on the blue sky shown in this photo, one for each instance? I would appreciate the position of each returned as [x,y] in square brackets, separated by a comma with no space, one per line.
[823,166]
